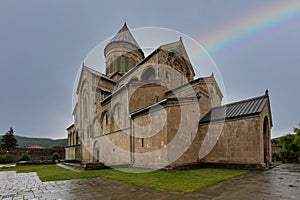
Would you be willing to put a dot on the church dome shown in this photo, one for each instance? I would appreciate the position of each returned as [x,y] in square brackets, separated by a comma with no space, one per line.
[124,35]
[122,52]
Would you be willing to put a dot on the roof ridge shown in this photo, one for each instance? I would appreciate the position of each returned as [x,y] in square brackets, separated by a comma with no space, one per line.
[97,73]
[243,101]
[170,43]
[241,108]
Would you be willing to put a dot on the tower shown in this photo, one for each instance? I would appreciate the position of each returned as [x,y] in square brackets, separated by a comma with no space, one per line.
[122,52]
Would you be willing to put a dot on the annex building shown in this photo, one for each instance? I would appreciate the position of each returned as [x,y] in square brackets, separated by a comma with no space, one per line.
[151,112]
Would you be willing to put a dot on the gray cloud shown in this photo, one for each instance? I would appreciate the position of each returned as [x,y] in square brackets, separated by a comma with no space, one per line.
[44,42]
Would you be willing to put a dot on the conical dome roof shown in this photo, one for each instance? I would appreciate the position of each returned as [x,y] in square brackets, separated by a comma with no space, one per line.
[123,35]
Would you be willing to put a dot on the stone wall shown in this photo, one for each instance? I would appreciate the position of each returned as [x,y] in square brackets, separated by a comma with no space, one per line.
[239,141]
[183,140]
[236,142]
[73,152]
[34,154]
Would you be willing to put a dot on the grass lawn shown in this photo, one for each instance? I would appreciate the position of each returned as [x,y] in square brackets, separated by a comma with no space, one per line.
[276,163]
[181,181]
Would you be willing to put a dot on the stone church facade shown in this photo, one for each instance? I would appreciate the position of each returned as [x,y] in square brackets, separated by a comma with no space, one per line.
[151,112]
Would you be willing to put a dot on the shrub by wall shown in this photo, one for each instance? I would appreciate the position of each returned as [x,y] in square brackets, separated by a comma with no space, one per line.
[6,158]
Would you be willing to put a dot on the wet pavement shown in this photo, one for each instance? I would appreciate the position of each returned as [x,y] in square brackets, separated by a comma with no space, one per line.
[282,182]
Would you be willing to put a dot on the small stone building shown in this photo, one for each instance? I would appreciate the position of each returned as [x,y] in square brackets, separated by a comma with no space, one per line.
[151,112]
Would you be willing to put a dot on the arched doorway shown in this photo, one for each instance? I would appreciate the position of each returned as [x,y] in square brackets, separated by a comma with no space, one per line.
[96,152]
[266,138]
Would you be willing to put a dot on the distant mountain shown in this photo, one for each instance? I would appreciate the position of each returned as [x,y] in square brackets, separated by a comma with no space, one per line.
[44,142]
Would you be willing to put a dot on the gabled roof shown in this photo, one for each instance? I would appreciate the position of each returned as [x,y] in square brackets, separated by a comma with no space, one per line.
[70,126]
[94,72]
[99,74]
[162,47]
[124,35]
[243,108]
[204,80]
[178,47]
[174,45]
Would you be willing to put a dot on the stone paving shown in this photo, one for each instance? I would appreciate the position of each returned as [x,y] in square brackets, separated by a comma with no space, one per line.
[282,182]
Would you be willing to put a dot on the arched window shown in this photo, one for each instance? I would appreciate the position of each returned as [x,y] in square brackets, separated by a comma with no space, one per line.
[265,127]
[105,122]
[149,74]
[85,108]
[77,137]
[96,128]
[74,137]
[126,64]
[106,118]
[117,116]
[168,76]
[118,64]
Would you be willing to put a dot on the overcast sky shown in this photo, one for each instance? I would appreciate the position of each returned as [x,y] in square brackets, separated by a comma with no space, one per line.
[255,45]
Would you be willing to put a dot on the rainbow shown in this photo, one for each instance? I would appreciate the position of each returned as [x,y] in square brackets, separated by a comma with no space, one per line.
[254,23]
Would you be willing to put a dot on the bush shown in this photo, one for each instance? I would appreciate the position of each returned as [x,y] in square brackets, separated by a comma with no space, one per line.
[6,158]
[24,157]
[55,156]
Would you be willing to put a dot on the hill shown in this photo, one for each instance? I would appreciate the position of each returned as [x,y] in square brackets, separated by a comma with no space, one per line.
[44,142]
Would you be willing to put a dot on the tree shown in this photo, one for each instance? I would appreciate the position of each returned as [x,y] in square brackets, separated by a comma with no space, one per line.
[24,157]
[8,141]
[290,146]
[55,156]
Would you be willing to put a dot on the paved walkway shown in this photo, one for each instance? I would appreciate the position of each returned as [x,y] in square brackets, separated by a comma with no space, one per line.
[282,182]
[68,167]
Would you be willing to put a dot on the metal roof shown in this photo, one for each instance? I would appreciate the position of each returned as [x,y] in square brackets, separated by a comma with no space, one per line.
[238,109]
[124,35]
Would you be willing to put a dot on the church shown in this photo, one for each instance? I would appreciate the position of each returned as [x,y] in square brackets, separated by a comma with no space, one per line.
[152,112]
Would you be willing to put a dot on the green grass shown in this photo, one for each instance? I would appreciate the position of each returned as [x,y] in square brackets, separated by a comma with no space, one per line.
[276,163]
[181,181]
